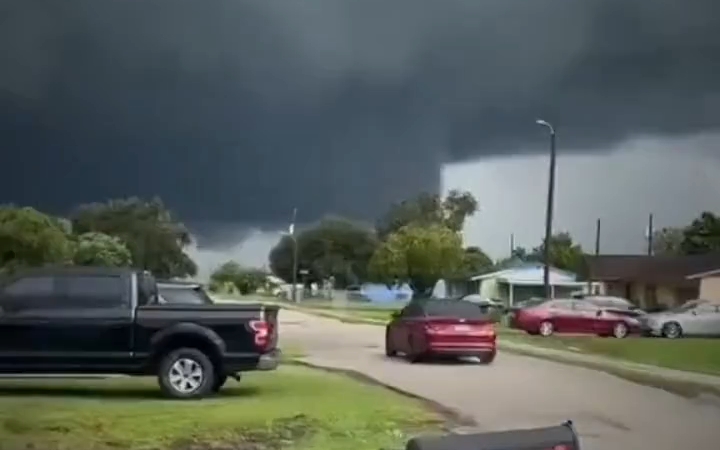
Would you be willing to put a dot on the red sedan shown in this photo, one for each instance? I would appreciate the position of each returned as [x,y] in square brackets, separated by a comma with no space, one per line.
[426,328]
[574,316]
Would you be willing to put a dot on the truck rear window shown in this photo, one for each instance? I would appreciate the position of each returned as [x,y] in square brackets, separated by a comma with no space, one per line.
[185,296]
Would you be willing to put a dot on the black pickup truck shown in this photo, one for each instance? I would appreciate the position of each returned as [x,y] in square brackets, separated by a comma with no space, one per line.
[112,321]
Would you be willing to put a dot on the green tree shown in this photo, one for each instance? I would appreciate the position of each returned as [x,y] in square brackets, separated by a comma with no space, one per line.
[98,249]
[333,247]
[519,256]
[564,253]
[475,262]
[428,209]
[668,241]
[245,280]
[420,255]
[702,235]
[156,240]
[30,238]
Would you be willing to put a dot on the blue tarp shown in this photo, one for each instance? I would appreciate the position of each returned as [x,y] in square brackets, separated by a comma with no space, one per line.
[380,293]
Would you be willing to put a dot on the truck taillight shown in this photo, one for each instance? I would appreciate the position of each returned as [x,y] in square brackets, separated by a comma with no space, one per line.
[262,333]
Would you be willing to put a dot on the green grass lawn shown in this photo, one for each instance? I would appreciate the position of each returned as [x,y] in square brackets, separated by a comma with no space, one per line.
[695,355]
[293,407]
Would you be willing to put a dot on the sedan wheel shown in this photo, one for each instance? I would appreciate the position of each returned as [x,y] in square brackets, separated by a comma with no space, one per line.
[546,329]
[389,351]
[672,330]
[620,330]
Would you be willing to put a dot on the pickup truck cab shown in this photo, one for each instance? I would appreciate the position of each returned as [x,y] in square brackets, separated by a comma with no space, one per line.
[83,320]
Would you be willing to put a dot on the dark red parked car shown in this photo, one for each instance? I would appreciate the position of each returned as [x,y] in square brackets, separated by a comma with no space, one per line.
[433,327]
[574,316]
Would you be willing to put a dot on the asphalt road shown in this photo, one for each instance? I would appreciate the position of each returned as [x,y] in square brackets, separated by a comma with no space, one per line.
[518,391]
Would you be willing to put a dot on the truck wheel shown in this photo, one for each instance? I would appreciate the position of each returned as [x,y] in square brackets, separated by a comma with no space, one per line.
[219,382]
[186,373]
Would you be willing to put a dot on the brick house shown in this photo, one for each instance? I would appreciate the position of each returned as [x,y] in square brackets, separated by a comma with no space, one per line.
[654,281]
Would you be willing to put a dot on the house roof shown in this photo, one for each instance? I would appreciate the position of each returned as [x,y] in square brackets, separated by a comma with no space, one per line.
[650,268]
[709,273]
[512,273]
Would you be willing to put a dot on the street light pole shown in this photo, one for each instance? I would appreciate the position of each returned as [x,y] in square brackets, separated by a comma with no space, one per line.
[295,256]
[550,208]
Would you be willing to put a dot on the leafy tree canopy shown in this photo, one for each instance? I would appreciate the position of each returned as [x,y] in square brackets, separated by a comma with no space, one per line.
[564,253]
[702,235]
[334,247]
[475,262]
[428,209]
[245,280]
[154,237]
[98,249]
[30,238]
[420,255]
[668,241]
[519,256]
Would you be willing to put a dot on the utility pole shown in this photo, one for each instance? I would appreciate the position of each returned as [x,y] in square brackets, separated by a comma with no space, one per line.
[295,255]
[550,208]
[597,253]
[650,233]
[512,245]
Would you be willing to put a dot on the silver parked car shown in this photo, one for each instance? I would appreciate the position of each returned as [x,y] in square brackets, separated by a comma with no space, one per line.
[695,318]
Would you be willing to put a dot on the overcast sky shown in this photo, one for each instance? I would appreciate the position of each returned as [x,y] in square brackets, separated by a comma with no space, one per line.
[234,112]
[621,188]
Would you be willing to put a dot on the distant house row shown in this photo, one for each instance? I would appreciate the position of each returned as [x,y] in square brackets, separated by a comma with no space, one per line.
[652,281]
[648,281]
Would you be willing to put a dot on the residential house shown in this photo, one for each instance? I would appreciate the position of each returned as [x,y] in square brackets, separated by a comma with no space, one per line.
[657,281]
[525,281]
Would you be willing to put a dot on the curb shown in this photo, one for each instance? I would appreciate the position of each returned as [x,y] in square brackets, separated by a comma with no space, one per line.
[451,416]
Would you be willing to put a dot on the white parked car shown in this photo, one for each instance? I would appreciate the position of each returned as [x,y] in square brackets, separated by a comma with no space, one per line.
[699,318]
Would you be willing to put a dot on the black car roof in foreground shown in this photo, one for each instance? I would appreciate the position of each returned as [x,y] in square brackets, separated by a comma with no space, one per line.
[74,270]
[179,284]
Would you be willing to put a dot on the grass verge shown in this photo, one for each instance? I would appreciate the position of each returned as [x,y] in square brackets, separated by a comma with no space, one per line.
[294,407]
[692,355]
[686,389]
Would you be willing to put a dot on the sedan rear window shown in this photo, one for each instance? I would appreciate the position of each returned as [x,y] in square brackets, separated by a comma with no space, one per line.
[452,308]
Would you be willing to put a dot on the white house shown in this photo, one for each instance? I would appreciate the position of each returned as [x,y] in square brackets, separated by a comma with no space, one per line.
[523,282]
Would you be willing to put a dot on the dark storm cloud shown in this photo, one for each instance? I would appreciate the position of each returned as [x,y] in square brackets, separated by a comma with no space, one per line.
[236,111]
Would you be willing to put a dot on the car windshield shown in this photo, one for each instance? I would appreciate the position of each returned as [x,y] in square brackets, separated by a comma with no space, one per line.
[460,309]
[184,295]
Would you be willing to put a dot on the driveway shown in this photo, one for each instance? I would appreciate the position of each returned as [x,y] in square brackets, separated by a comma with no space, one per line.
[518,391]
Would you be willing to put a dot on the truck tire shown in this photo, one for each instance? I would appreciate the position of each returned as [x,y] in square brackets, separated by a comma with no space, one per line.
[219,382]
[186,373]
